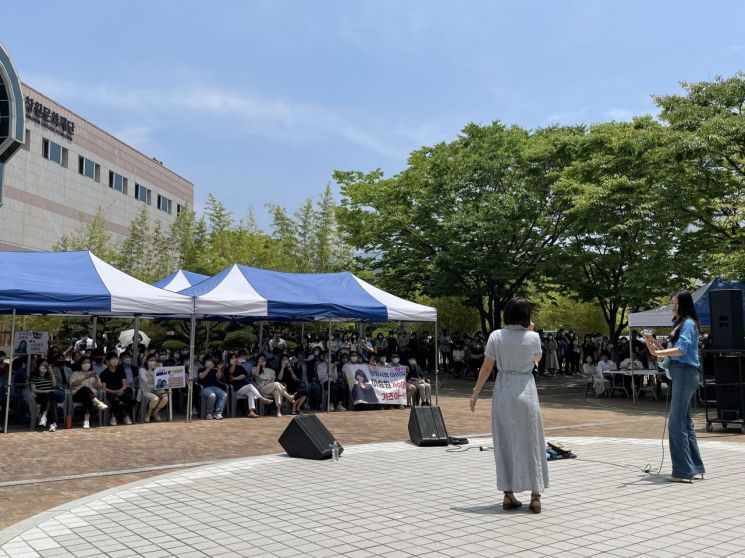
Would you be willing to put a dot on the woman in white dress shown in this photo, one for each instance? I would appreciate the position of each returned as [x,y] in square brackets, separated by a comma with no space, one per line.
[517,429]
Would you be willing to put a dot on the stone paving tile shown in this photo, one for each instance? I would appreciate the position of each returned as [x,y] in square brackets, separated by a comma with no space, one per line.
[455,511]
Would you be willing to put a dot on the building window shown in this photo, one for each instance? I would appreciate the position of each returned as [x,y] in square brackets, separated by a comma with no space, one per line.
[27,143]
[142,193]
[179,208]
[117,182]
[89,168]
[54,152]
[164,204]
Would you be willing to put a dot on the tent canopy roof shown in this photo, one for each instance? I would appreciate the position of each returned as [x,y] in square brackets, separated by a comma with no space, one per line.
[180,280]
[79,283]
[246,292]
[662,316]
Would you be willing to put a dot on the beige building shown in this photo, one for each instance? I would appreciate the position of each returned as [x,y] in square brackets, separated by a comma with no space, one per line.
[68,168]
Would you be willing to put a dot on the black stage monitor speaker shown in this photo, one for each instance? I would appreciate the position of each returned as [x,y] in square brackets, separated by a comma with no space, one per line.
[427,427]
[307,437]
[726,319]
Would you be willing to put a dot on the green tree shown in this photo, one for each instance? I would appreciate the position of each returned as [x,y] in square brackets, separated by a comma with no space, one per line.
[623,247]
[90,235]
[478,218]
[708,122]
[135,254]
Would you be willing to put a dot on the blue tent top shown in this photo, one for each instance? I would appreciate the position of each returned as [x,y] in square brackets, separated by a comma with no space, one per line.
[79,283]
[662,316]
[180,280]
[246,292]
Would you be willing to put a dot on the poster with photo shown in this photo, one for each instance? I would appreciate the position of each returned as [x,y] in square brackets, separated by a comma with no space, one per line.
[170,377]
[376,385]
[31,342]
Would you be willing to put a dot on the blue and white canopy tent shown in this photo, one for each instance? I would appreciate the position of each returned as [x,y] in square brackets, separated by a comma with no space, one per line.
[248,293]
[180,280]
[662,316]
[79,284]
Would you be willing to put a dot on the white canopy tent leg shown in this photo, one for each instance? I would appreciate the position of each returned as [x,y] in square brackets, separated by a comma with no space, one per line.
[328,375]
[261,337]
[190,378]
[135,342]
[10,372]
[95,331]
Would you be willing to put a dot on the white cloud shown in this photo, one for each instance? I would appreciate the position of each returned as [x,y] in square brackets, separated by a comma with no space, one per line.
[277,118]
[620,114]
[136,136]
[566,117]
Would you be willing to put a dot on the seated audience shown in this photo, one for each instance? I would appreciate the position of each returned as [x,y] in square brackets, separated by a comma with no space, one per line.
[157,399]
[239,380]
[84,384]
[211,378]
[268,384]
[118,393]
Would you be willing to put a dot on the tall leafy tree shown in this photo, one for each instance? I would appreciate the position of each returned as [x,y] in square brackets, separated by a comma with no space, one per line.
[90,235]
[623,250]
[708,122]
[477,218]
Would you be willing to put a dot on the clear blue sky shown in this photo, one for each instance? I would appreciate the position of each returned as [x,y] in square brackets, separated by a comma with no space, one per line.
[259,101]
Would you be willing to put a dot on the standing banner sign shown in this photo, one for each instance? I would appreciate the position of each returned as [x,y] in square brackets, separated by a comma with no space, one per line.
[31,342]
[170,377]
[377,385]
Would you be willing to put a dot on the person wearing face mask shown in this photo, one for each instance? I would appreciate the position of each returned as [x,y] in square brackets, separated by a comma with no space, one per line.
[84,384]
[417,379]
[381,346]
[211,379]
[344,345]
[98,364]
[178,358]
[305,372]
[328,377]
[333,343]
[164,359]
[293,384]
[238,378]
[268,384]
[157,399]
[44,387]
[119,396]
[130,370]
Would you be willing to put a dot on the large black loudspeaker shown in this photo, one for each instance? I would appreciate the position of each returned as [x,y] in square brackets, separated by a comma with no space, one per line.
[726,319]
[729,374]
[427,427]
[307,437]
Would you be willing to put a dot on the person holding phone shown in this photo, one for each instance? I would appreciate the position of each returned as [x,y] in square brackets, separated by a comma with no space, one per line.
[684,365]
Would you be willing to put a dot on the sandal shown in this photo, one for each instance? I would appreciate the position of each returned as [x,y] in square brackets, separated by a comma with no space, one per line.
[535,503]
[510,502]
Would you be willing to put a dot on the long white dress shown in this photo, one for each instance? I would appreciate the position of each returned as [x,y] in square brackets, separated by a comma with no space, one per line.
[517,428]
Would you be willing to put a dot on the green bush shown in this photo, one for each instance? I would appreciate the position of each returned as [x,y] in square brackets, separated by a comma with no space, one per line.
[173,344]
[239,339]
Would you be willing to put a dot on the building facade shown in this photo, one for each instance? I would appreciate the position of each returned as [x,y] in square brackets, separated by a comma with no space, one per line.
[68,168]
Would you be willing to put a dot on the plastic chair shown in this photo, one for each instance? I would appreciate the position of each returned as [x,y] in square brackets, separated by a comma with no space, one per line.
[61,406]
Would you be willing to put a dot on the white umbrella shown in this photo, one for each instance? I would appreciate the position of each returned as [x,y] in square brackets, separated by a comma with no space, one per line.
[125,337]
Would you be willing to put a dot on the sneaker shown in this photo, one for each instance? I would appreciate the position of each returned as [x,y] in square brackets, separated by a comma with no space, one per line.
[112,421]
[156,417]
[102,406]
[208,416]
[43,421]
[678,479]
[127,420]
[218,416]
[53,427]
[147,417]
[86,424]
[340,407]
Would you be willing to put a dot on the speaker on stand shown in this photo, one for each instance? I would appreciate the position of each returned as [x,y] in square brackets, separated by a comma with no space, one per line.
[726,310]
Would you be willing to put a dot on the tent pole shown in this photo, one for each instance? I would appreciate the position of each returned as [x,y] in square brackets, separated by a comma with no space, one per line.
[136,343]
[261,337]
[190,378]
[95,330]
[10,371]
[437,369]
[207,340]
[328,374]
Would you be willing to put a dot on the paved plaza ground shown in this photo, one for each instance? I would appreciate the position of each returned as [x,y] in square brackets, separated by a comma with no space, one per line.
[384,497]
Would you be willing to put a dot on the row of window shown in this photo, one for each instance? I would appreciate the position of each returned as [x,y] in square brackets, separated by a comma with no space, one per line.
[58,154]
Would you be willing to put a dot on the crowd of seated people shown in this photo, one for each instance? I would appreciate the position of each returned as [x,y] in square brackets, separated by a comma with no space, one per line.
[280,380]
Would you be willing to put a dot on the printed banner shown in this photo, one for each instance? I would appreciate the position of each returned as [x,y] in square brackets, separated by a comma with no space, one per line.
[31,342]
[377,385]
[170,377]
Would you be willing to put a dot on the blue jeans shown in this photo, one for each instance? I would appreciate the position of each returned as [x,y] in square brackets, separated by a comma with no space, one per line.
[684,452]
[216,398]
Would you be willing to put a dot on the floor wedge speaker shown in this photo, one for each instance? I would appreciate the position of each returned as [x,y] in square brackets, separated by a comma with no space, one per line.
[427,427]
[307,437]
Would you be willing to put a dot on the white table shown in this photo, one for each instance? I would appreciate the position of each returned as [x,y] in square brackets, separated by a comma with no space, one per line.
[634,372]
